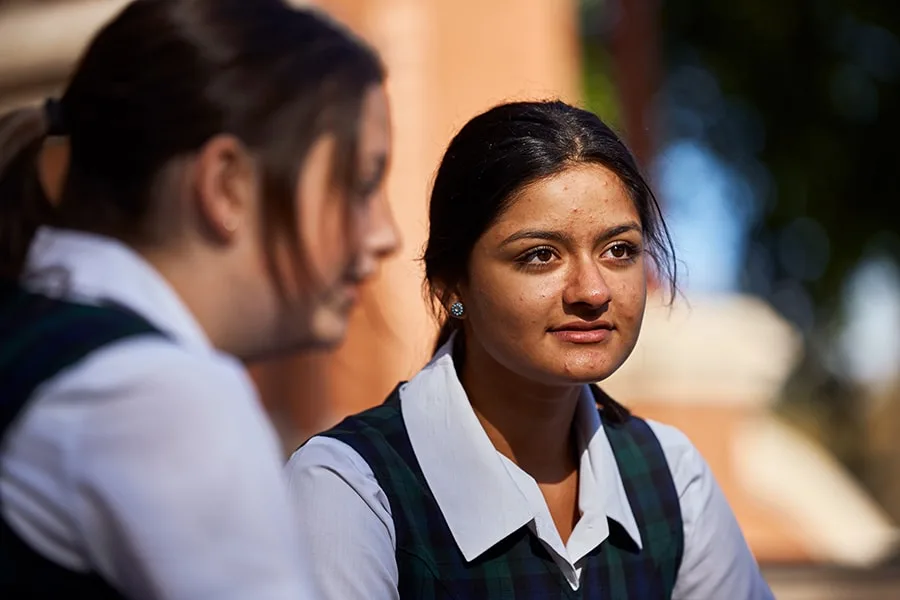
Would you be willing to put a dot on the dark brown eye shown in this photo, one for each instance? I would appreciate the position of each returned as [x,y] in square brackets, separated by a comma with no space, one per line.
[538,257]
[622,251]
[543,255]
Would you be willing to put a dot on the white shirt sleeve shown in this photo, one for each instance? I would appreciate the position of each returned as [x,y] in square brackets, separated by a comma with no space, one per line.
[345,517]
[173,476]
[717,563]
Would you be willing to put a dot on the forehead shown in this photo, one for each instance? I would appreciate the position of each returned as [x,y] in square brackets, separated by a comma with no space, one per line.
[582,197]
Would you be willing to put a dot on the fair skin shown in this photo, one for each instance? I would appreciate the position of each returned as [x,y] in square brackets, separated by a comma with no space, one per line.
[218,263]
[554,299]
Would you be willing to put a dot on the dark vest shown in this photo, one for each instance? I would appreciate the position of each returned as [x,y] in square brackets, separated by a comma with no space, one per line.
[40,337]
[432,567]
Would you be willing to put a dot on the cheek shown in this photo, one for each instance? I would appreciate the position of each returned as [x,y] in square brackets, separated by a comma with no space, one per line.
[511,304]
[321,215]
[323,232]
[629,295]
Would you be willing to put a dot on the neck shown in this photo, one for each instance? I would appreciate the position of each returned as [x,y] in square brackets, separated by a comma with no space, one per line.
[529,423]
[200,289]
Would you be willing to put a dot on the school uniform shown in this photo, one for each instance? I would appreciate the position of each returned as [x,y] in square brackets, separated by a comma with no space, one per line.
[411,500]
[136,460]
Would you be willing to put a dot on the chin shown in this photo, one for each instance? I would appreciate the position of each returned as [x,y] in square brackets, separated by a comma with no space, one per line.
[328,331]
[589,365]
[325,332]
[323,343]
[575,377]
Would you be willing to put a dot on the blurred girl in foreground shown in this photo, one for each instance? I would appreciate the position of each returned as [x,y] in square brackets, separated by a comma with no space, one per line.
[223,201]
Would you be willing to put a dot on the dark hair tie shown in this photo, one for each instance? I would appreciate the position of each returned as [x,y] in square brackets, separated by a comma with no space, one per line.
[56,124]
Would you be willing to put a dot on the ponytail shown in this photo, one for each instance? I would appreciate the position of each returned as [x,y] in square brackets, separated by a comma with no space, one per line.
[23,203]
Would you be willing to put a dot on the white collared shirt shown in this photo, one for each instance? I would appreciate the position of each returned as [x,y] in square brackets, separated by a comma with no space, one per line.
[150,462]
[345,518]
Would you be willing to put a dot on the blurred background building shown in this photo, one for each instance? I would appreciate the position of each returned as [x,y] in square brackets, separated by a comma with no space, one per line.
[769,130]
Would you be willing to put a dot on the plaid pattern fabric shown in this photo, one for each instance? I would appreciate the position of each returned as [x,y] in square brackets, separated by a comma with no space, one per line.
[431,566]
[40,337]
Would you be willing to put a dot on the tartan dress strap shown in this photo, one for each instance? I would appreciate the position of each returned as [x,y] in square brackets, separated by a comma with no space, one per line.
[652,495]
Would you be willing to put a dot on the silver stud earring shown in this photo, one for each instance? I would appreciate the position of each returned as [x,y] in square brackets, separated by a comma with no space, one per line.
[457,309]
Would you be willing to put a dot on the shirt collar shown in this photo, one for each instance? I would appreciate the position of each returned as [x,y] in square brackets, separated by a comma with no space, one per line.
[92,268]
[601,493]
[487,506]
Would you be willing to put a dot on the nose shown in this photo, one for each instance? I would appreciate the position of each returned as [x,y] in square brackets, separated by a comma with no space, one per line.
[381,237]
[586,286]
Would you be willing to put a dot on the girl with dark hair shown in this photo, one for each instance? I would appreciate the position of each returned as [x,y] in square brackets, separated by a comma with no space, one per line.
[500,470]
[222,201]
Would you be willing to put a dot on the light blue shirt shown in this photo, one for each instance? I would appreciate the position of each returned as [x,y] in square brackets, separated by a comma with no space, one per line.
[345,519]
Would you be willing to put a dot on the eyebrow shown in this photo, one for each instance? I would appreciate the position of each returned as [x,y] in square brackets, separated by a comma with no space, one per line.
[562,238]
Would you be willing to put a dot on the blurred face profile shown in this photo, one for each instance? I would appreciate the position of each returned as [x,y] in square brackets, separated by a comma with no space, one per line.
[344,233]
[557,285]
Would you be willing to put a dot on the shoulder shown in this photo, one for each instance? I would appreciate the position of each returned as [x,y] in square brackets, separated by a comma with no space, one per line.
[326,473]
[689,472]
[685,461]
[343,449]
[378,434]
[149,366]
[379,421]
[346,457]
[717,561]
[324,453]
[675,443]
[139,390]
